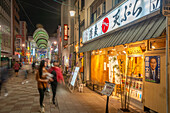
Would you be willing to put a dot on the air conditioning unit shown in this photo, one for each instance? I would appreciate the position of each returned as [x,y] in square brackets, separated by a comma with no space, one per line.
[99,11]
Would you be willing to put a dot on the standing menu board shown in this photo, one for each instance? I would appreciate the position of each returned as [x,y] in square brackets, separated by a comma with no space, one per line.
[73,80]
[108,88]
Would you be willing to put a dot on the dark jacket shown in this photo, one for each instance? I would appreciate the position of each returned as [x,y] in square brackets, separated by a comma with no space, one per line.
[55,76]
[157,80]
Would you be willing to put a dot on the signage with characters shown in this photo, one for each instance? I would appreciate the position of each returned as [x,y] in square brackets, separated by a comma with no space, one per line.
[127,12]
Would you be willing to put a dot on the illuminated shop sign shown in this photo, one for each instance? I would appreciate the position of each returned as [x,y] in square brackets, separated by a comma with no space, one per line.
[65,32]
[134,51]
[127,12]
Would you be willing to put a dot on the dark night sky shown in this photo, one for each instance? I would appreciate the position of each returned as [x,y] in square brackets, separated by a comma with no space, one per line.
[45,12]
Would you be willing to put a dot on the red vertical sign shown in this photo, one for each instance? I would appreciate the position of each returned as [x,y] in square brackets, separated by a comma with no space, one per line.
[65,32]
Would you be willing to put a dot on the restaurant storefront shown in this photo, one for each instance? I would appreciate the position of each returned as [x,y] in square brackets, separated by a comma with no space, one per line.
[126,54]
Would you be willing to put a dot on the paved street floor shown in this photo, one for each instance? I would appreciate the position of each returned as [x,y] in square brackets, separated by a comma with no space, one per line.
[23,97]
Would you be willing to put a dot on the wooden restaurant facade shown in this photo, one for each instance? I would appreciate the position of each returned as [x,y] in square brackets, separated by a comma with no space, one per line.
[128,42]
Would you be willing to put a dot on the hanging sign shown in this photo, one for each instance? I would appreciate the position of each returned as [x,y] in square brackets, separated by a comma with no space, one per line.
[65,32]
[134,51]
[125,13]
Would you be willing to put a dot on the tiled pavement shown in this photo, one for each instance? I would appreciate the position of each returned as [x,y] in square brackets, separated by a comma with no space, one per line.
[24,98]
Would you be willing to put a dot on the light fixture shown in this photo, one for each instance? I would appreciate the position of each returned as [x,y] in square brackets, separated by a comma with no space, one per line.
[100,51]
[72,13]
[23,45]
[124,52]
[55,42]
[153,47]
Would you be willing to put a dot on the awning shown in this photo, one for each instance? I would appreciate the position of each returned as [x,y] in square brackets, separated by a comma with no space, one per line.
[147,29]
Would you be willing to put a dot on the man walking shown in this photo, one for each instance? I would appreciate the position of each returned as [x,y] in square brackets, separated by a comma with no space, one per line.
[58,77]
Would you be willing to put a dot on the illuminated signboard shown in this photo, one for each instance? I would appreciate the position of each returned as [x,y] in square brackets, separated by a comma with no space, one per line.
[65,32]
[125,13]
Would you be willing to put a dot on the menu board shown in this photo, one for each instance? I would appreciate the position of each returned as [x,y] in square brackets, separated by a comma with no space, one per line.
[73,80]
[108,88]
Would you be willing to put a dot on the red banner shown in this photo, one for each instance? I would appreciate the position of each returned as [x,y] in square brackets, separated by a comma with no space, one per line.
[65,32]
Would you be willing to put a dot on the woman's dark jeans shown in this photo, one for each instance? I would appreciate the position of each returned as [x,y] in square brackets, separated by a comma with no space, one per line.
[41,92]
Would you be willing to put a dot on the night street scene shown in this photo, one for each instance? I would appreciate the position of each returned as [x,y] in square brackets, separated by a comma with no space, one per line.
[84,56]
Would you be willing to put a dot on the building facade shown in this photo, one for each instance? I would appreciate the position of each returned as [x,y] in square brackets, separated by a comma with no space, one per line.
[5,28]
[124,43]
[5,33]
[15,21]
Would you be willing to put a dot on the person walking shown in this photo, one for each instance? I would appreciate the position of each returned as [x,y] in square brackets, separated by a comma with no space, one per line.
[42,83]
[25,69]
[33,67]
[57,77]
[16,68]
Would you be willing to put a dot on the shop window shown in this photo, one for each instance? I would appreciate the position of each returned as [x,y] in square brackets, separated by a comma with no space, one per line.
[93,17]
[97,8]
[104,8]
[135,77]
[157,43]
[117,2]
[135,66]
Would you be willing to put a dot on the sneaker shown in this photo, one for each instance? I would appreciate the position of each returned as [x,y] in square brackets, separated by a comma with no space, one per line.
[26,82]
[42,110]
[6,94]
[23,82]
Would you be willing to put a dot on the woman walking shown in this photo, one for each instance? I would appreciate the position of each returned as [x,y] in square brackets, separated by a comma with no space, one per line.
[16,68]
[42,83]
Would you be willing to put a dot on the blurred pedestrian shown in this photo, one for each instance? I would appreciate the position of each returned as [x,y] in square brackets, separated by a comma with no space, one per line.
[16,68]
[20,64]
[33,67]
[25,69]
[42,83]
[3,78]
[57,77]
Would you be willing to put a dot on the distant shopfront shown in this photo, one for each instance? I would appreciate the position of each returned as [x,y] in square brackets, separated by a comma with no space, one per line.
[129,51]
